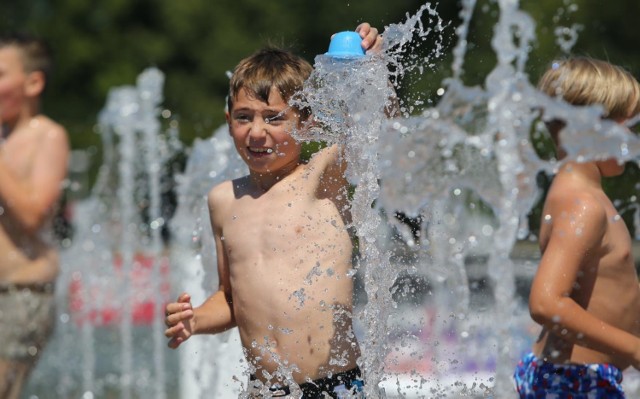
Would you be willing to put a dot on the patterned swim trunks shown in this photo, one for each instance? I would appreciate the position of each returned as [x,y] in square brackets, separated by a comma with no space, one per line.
[536,379]
[27,317]
[345,384]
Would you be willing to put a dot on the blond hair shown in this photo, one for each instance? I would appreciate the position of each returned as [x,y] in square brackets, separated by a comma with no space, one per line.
[269,68]
[588,81]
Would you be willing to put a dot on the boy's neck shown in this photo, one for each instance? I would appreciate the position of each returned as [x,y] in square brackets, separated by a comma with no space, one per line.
[9,127]
[589,171]
[265,180]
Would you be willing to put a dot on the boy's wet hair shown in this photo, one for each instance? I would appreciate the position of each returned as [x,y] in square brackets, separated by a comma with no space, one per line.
[267,68]
[587,81]
[36,54]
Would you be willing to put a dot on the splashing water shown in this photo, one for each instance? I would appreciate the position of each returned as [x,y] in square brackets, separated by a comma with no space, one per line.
[474,144]
[478,140]
[349,99]
[115,272]
[472,150]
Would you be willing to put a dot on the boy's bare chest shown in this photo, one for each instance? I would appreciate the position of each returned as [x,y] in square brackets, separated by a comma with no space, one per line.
[273,228]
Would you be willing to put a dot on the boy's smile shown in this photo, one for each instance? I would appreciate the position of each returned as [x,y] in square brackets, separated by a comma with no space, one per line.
[262,133]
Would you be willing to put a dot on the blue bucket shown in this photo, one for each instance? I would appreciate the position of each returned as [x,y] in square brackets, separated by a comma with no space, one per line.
[346,45]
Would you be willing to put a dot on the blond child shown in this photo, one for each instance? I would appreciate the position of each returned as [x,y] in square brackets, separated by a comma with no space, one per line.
[585,292]
[284,252]
[33,164]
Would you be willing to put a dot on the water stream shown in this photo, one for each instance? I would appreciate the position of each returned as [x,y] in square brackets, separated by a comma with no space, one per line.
[434,188]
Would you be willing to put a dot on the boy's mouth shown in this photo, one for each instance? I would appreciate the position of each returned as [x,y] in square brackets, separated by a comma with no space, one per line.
[260,150]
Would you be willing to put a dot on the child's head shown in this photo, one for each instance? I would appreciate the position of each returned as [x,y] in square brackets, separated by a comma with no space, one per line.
[260,119]
[25,64]
[266,69]
[587,81]
[34,53]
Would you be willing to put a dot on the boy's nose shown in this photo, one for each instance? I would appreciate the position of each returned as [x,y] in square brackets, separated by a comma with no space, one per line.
[258,128]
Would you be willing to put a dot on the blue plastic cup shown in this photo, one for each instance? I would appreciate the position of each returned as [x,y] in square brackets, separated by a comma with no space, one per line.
[346,45]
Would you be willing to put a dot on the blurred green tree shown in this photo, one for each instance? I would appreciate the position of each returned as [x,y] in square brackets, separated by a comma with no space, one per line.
[103,44]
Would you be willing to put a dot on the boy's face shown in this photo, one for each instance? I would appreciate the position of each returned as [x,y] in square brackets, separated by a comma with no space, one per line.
[13,83]
[613,167]
[262,132]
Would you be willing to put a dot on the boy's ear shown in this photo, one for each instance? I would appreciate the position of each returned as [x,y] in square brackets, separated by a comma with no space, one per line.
[34,85]
[227,117]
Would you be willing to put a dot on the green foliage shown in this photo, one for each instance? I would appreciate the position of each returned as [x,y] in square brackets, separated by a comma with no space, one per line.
[103,44]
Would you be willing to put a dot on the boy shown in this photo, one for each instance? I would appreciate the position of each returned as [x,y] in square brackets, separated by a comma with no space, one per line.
[585,292]
[284,253]
[33,165]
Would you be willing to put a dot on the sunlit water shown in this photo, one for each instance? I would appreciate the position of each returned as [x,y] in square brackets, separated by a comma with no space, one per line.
[438,309]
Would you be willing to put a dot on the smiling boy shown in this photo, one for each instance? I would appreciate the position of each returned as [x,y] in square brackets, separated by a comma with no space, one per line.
[284,252]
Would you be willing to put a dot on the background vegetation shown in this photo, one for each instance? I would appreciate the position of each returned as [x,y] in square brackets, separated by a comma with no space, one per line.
[102,44]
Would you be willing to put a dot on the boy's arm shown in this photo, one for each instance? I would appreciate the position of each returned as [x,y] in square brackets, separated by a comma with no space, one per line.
[333,159]
[216,313]
[579,225]
[29,201]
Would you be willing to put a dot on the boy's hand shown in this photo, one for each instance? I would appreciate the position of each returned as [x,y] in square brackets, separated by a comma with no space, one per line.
[179,321]
[371,40]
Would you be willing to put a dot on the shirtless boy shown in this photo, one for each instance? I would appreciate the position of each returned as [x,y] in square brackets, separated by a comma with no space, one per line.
[585,292]
[33,165]
[284,252]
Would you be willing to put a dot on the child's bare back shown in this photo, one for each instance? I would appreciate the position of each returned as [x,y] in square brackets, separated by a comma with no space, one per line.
[288,257]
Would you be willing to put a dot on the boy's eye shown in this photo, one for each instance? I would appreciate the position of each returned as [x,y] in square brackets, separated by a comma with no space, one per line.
[275,118]
[241,117]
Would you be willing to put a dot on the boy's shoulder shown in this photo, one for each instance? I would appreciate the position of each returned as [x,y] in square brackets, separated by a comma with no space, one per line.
[46,129]
[226,190]
[40,134]
[575,205]
[222,188]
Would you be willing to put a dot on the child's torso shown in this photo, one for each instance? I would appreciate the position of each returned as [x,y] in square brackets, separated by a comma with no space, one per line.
[24,258]
[607,287]
[289,256]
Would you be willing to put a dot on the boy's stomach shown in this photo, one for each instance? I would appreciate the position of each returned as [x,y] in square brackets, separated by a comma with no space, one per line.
[286,339]
[24,261]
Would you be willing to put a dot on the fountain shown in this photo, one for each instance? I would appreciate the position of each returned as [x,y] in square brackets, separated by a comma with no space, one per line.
[434,191]
[115,274]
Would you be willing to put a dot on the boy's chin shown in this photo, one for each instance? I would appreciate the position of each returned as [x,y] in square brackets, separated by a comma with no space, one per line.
[611,168]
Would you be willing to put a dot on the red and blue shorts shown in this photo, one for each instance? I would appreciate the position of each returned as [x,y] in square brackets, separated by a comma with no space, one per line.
[536,379]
